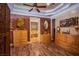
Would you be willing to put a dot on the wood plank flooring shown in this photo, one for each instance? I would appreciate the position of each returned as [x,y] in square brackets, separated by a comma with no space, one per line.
[39,49]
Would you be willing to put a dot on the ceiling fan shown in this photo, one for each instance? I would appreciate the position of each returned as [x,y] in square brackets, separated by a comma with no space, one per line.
[35,6]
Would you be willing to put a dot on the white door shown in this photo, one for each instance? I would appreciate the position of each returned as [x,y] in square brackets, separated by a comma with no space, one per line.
[34,29]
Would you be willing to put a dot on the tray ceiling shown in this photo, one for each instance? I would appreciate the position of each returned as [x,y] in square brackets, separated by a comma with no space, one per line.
[41,5]
[48,11]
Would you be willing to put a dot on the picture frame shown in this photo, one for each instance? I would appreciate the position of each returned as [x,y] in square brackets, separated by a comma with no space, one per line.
[20,23]
[45,24]
[73,21]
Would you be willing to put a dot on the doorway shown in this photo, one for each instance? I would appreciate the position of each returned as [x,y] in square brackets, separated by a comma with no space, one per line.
[53,29]
[34,29]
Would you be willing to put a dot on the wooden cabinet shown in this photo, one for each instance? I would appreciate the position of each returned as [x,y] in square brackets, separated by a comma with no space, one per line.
[68,42]
[20,37]
[4,29]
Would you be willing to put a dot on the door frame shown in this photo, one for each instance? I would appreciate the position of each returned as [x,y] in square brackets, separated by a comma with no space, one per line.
[53,29]
[37,19]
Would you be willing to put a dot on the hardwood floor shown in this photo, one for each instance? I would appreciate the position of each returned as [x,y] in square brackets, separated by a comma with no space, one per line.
[39,49]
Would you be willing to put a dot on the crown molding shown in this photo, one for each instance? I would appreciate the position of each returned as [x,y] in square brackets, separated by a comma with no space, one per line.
[70,8]
[23,10]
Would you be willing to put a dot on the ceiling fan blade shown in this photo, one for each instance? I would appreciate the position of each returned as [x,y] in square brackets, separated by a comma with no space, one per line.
[41,6]
[53,3]
[30,9]
[28,5]
[38,10]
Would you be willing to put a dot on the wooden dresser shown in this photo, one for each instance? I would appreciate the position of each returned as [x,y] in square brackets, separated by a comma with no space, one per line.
[4,29]
[68,42]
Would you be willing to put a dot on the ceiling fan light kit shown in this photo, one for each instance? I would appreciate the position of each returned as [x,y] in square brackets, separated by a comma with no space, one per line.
[34,8]
[48,4]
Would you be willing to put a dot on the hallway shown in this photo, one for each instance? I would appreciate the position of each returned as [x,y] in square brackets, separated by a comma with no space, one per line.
[39,50]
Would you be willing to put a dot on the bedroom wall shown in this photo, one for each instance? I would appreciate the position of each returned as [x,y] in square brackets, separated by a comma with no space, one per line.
[69,42]
[45,35]
[18,36]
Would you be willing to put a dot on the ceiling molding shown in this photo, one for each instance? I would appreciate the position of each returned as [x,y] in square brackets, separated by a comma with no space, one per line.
[35,15]
[53,12]
[52,9]
[72,7]
[22,10]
